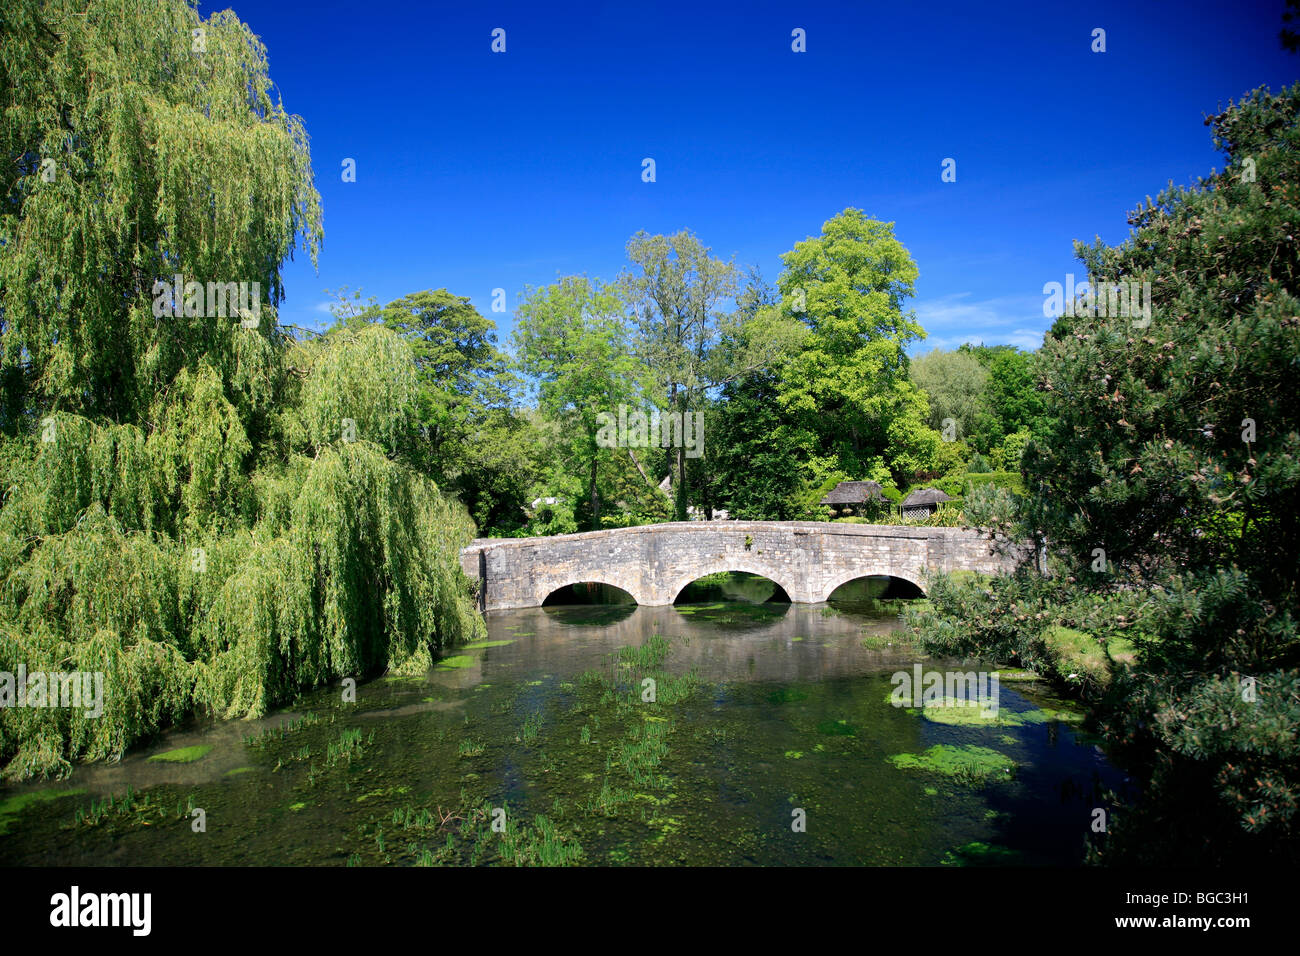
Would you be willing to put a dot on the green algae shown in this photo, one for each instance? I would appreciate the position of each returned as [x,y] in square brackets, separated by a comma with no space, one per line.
[478,644]
[184,754]
[968,763]
[295,807]
[455,661]
[787,695]
[10,808]
[794,754]
[977,853]
[971,714]
[381,792]
[237,771]
[1046,715]
[837,728]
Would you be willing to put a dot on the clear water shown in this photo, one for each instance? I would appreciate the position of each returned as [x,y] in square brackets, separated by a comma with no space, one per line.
[788,721]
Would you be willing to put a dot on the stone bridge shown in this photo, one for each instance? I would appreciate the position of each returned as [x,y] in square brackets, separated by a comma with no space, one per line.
[808,559]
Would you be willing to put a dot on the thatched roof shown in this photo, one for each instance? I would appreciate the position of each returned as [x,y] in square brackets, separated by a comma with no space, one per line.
[925,496]
[853,493]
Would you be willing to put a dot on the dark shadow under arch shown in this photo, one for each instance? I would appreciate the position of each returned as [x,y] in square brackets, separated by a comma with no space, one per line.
[874,587]
[588,592]
[745,586]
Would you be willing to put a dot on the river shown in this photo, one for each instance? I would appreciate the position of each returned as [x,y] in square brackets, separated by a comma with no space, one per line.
[725,730]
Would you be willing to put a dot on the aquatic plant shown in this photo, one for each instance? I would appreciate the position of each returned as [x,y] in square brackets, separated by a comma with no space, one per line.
[130,808]
[532,727]
[184,754]
[347,748]
[969,764]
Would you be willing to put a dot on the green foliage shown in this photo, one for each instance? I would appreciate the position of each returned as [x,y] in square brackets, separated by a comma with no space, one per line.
[366,377]
[848,383]
[1010,480]
[1144,451]
[166,162]
[955,383]
[573,339]
[181,513]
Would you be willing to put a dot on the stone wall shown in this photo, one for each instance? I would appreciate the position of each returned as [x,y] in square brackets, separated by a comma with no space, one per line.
[809,559]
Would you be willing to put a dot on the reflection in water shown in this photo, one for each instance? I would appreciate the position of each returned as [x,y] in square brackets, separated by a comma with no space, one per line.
[588,592]
[733,586]
[867,594]
[791,711]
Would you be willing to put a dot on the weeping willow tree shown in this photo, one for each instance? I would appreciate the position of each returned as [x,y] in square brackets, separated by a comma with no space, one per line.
[205,510]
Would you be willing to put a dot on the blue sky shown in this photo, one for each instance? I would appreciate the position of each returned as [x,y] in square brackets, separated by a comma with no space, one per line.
[478,170]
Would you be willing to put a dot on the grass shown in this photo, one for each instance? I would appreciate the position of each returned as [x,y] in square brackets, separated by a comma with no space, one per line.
[649,656]
[273,734]
[1078,657]
[641,753]
[347,748]
[467,836]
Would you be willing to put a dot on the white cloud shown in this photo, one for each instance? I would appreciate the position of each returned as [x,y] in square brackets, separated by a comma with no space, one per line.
[952,320]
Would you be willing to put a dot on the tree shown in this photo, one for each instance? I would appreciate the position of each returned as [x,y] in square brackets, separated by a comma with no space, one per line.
[848,382]
[1166,480]
[472,441]
[210,513]
[1013,394]
[954,382]
[571,337]
[675,301]
[188,167]
[1289,38]
[759,458]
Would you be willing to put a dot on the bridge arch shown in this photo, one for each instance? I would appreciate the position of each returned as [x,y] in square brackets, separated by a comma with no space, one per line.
[545,590]
[916,580]
[674,591]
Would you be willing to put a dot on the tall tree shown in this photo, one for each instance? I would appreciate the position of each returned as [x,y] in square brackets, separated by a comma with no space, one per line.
[139,150]
[1167,483]
[954,383]
[676,298]
[571,337]
[474,442]
[849,381]
[209,513]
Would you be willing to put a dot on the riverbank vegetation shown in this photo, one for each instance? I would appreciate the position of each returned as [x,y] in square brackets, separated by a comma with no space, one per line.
[205,509]
[1166,480]
[217,511]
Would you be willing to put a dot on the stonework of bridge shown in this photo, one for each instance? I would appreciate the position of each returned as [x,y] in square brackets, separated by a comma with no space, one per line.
[653,563]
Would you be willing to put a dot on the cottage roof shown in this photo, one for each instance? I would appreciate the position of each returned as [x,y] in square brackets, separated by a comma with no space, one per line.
[925,496]
[853,493]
